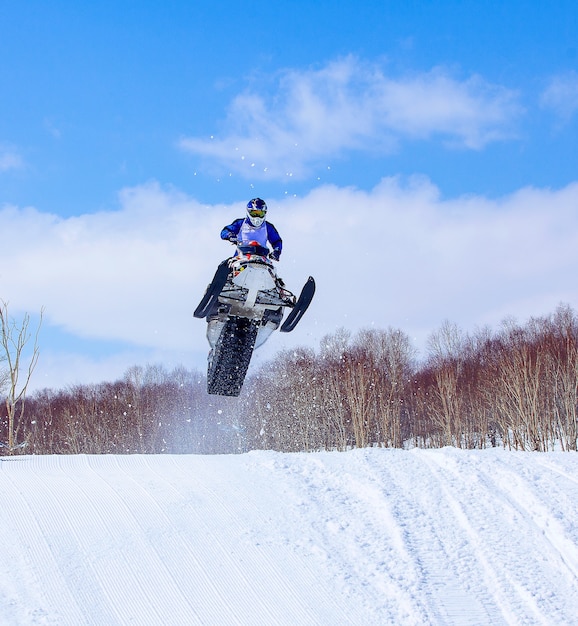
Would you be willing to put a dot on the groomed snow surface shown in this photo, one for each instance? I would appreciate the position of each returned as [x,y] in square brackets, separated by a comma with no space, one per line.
[370,536]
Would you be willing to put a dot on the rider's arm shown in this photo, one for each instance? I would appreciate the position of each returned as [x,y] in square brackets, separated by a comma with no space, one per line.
[274,239]
[232,230]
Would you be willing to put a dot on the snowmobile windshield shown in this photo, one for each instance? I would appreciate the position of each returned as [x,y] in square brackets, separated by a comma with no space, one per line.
[253,248]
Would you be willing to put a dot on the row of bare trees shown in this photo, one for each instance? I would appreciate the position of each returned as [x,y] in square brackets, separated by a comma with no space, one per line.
[352,394]
[516,387]
[150,410]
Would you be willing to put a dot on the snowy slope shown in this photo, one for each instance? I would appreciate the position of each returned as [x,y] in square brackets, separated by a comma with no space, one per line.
[363,537]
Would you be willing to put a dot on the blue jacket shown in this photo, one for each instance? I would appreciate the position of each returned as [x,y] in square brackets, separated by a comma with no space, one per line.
[232,232]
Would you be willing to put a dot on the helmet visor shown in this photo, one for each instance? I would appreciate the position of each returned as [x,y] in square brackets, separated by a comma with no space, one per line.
[257,212]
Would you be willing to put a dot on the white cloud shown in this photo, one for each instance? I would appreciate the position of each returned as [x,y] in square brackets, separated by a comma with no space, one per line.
[401,256]
[9,159]
[397,256]
[561,95]
[117,275]
[349,105]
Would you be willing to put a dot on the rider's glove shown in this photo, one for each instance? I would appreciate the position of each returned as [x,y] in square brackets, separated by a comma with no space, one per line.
[275,254]
[232,238]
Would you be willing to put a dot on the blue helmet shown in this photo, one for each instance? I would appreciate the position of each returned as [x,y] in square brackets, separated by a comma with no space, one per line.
[256,211]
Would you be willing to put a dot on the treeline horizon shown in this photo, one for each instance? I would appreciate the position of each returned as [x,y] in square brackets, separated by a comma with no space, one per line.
[514,387]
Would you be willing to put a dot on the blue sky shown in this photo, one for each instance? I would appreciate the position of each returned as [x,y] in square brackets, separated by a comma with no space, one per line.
[130,132]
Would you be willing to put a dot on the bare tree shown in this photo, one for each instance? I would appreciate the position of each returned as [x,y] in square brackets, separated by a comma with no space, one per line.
[564,349]
[446,356]
[13,341]
[391,356]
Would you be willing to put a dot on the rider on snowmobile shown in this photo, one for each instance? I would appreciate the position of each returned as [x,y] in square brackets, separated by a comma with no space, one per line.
[245,301]
[254,227]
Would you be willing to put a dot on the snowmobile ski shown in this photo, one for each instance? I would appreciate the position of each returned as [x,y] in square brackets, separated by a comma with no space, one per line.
[300,307]
[213,290]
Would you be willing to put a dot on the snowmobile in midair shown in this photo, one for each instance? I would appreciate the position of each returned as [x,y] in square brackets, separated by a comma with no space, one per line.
[243,304]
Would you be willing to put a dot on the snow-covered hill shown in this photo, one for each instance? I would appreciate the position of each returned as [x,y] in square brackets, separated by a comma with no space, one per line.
[363,537]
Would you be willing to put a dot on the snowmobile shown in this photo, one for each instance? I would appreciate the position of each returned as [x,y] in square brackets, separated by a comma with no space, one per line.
[243,305]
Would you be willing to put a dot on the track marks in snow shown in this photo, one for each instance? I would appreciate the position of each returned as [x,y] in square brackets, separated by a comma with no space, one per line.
[347,524]
[441,536]
[367,537]
[508,527]
[389,521]
[432,522]
[470,589]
